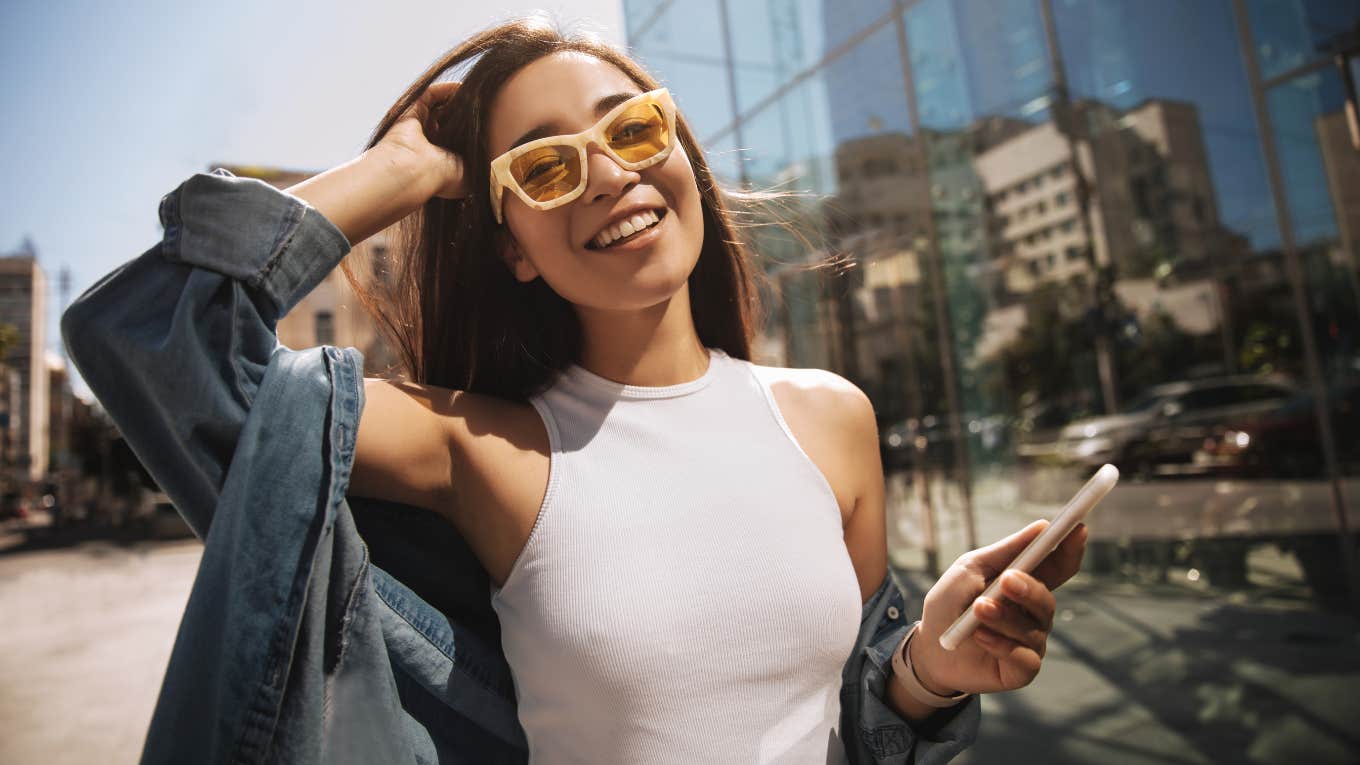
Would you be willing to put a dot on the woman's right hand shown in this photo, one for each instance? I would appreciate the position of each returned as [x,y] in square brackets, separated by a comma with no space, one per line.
[391,180]
[410,133]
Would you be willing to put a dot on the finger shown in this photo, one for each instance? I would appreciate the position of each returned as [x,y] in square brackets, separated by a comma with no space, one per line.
[431,99]
[440,92]
[1031,596]
[1065,560]
[1018,659]
[994,558]
[1013,622]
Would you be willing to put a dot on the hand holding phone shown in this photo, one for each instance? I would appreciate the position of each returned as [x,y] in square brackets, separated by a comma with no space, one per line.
[1076,509]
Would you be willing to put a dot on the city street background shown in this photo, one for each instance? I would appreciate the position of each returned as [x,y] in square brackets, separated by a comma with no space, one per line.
[1039,235]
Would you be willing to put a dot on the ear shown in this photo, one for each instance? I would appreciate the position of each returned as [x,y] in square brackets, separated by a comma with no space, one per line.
[515,260]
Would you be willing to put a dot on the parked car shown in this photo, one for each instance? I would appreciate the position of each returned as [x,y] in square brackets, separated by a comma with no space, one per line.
[1162,428]
[897,444]
[1284,443]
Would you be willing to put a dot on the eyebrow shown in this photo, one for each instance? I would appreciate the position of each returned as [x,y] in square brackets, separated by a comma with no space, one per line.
[552,128]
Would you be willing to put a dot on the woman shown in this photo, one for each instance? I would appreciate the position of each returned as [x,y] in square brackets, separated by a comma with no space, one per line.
[651,509]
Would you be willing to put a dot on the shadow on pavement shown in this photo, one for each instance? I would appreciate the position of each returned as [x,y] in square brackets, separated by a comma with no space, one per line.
[19,538]
[1138,674]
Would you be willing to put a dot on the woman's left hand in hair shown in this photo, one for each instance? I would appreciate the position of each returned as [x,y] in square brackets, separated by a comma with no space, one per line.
[1006,651]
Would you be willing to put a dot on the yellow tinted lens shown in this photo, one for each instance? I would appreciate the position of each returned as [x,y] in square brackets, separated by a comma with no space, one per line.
[639,133]
[548,172]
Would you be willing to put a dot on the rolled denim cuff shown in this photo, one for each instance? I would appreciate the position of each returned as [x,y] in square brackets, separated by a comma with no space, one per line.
[271,241]
[892,739]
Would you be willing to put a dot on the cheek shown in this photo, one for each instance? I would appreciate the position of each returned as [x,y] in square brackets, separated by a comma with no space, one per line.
[680,177]
[543,236]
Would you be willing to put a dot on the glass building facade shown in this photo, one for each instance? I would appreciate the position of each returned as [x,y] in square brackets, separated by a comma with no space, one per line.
[1071,232]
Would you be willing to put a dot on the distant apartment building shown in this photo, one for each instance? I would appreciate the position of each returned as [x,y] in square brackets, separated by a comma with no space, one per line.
[64,410]
[331,313]
[896,195]
[23,306]
[11,407]
[1151,196]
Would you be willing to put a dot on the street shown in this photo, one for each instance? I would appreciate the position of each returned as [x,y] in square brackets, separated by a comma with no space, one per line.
[1136,671]
[88,631]
[1139,674]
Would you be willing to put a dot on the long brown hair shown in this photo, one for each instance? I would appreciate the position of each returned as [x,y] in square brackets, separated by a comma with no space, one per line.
[450,306]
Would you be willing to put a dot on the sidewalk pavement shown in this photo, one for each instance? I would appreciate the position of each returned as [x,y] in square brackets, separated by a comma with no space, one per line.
[87,634]
[1156,664]
[1153,672]
[1169,674]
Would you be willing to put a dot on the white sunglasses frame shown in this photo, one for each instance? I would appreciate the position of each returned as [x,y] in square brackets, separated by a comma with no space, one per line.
[500,166]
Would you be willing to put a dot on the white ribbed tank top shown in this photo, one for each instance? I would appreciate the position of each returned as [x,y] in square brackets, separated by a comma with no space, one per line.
[685,595]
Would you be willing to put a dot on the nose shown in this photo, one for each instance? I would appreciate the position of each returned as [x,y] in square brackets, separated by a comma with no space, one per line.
[605,178]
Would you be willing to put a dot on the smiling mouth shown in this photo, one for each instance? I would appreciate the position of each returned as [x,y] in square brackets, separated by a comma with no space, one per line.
[627,230]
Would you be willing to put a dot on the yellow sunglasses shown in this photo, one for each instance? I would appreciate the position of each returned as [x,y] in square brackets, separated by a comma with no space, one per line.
[551,172]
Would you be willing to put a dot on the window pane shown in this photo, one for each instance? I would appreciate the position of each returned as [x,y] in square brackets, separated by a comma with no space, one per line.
[681,44]
[1291,33]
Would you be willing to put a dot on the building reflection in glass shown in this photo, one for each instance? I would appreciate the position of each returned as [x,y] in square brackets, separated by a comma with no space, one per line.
[1080,231]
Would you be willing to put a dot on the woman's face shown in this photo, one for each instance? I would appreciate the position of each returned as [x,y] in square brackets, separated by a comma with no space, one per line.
[561,92]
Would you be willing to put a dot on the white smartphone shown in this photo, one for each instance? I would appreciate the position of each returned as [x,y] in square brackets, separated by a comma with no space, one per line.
[1077,508]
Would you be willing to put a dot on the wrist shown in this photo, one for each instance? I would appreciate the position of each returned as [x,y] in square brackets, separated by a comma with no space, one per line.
[414,176]
[368,193]
[922,672]
[917,695]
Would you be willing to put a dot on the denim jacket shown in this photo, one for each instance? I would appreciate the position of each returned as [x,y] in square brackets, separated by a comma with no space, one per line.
[322,627]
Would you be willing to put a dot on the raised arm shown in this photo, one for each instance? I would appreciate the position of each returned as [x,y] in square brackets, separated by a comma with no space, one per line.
[174,343]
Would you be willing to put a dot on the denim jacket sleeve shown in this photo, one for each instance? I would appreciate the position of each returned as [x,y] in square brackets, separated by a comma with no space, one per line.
[871,730]
[176,353]
[279,655]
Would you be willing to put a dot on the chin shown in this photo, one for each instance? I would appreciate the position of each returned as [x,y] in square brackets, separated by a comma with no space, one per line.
[647,288]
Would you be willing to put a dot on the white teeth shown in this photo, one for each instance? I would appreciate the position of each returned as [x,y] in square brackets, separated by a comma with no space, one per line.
[627,227]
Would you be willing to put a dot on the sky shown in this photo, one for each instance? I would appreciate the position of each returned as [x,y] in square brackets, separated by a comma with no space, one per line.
[106,107]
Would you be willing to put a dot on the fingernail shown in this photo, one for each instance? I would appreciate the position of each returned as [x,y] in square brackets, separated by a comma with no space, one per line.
[988,607]
[1015,584]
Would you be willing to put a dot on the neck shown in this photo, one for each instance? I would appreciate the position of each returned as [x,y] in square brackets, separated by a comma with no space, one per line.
[654,346]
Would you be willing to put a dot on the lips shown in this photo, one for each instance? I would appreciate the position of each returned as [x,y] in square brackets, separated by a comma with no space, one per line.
[625,227]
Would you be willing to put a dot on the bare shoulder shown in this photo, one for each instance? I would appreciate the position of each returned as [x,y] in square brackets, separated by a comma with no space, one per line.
[818,393]
[833,422]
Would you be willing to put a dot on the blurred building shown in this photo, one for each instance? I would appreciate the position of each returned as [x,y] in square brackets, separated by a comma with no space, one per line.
[1150,178]
[23,306]
[64,411]
[1152,213]
[11,409]
[331,314]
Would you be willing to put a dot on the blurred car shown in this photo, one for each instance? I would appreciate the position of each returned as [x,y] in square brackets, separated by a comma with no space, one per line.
[1284,443]
[1163,427]
[13,505]
[897,444]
